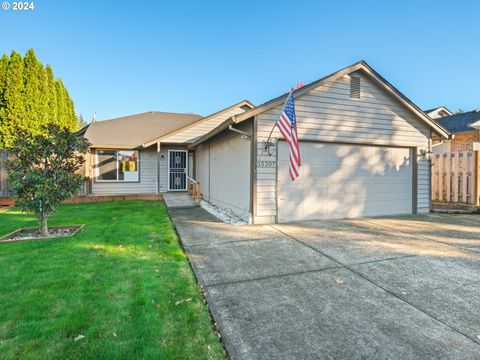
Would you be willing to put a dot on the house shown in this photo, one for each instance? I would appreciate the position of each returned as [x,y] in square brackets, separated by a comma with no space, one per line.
[364,147]
[438,112]
[465,128]
[146,153]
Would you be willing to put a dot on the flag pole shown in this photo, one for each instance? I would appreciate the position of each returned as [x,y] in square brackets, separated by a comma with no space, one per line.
[280,114]
[275,123]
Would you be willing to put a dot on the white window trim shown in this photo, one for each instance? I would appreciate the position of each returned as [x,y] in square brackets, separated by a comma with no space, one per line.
[97,169]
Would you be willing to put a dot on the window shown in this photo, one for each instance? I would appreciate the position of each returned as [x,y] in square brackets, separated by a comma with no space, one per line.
[117,165]
[355,87]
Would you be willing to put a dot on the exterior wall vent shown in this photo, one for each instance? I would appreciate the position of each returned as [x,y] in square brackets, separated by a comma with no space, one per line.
[355,87]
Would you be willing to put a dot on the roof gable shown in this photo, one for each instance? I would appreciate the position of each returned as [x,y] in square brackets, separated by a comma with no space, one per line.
[359,66]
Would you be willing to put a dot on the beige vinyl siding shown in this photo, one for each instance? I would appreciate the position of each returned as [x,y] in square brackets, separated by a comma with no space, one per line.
[424,186]
[223,170]
[147,183]
[328,113]
[201,128]
[164,165]
[202,173]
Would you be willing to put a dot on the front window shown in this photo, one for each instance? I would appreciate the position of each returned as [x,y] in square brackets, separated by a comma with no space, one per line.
[117,165]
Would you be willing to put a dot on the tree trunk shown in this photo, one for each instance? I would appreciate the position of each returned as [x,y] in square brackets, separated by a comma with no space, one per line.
[44,225]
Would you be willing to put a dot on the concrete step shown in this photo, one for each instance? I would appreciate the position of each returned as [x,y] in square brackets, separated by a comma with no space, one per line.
[175,200]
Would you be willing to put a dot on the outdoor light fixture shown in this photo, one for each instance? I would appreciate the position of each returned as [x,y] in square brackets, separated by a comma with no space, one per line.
[162,157]
[270,147]
[423,153]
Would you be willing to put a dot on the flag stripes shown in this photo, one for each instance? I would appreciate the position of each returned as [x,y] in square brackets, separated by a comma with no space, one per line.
[287,125]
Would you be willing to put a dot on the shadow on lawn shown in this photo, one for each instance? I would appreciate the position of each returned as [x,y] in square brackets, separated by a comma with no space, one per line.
[116,283]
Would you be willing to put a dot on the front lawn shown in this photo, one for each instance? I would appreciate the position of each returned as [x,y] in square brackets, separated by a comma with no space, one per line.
[115,283]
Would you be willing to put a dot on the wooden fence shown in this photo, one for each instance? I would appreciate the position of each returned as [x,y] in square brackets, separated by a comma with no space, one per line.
[6,193]
[455,178]
[3,174]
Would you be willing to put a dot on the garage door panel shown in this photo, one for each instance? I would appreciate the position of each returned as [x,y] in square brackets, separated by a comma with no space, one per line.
[341,181]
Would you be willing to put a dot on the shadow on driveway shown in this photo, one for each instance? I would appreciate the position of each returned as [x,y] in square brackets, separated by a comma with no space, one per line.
[402,287]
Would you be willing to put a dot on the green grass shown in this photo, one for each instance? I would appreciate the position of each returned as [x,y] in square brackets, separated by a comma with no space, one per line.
[115,282]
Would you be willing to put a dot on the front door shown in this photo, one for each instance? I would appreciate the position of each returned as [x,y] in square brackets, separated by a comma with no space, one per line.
[177,170]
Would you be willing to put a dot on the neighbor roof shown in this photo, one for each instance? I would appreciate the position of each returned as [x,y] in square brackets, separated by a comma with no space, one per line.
[132,131]
[439,108]
[460,122]
[361,65]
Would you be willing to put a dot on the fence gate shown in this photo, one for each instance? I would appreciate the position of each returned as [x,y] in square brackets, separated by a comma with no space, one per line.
[455,177]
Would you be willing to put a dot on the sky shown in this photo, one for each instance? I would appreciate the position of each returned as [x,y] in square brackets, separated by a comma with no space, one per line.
[119,58]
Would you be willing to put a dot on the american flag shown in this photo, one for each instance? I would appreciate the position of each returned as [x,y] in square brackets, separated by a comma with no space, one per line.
[287,124]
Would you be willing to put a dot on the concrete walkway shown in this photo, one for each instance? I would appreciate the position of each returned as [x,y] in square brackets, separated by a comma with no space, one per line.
[180,199]
[403,287]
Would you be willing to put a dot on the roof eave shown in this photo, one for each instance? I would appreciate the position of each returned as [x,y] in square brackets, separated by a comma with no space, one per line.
[115,147]
[209,117]
[222,127]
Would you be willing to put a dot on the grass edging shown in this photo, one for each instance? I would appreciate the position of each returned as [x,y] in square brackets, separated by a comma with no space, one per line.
[8,238]
[201,290]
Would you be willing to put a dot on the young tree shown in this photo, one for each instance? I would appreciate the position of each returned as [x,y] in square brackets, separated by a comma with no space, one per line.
[43,170]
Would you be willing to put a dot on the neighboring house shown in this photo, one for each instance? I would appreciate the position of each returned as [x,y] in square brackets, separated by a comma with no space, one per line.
[438,112]
[364,149]
[465,128]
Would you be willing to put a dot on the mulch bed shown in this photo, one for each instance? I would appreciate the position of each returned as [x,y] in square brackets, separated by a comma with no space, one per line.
[34,233]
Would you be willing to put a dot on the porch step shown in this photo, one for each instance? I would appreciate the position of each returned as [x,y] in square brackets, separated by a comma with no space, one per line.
[175,200]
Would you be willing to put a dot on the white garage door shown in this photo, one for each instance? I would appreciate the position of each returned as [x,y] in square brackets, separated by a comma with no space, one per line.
[345,181]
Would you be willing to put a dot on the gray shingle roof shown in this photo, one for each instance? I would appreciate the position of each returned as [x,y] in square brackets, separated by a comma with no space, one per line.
[460,122]
[134,130]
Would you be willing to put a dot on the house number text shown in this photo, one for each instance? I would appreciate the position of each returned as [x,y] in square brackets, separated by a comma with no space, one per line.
[266,164]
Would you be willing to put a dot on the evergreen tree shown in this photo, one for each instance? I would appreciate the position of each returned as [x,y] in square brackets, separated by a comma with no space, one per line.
[52,94]
[61,103]
[31,97]
[81,123]
[13,111]
[3,75]
[70,116]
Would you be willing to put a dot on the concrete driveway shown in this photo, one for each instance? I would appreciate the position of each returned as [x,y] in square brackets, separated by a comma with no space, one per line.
[399,287]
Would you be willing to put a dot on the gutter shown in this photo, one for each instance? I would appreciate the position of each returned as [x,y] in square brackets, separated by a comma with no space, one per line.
[245,134]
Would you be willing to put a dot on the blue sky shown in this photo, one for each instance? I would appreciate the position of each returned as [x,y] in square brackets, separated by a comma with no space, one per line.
[123,57]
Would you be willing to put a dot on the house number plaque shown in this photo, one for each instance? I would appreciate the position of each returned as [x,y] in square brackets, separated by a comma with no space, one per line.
[266,164]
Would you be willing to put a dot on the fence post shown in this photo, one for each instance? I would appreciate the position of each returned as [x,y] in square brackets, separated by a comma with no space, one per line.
[476,169]
[3,174]
[434,180]
[448,177]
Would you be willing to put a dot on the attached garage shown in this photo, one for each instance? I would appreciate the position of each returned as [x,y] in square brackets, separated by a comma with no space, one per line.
[365,151]
[345,181]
